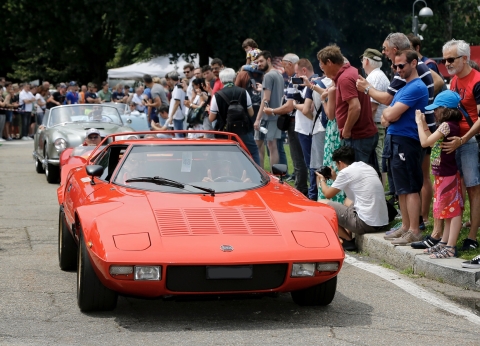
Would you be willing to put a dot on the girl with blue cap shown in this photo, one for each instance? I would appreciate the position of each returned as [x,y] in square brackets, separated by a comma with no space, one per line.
[447,199]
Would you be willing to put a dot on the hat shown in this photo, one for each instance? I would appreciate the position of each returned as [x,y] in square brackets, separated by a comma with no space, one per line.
[447,98]
[62,85]
[92,131]
[372,54]
[72,83]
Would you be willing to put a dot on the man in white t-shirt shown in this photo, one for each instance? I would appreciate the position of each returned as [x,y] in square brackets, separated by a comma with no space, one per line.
[175,111]
[368,211]
[27,101]
[371,63]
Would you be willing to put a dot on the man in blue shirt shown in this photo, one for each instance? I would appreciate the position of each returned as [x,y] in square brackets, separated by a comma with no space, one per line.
[403,148]
[72,94]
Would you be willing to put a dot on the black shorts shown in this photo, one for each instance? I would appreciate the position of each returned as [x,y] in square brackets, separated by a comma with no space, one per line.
[406,164]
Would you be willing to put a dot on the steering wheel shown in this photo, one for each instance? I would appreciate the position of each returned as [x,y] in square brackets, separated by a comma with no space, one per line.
[106,116]
[226,178]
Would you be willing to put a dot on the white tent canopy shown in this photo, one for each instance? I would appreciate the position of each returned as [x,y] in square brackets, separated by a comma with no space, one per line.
[157,67]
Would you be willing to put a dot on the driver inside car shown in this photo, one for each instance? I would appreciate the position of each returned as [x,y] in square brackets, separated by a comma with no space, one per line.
[96,115]
[223,171]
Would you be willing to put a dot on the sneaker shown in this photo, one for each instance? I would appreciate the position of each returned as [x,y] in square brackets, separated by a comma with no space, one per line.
[397,234]
[25,138]
[469,244]
[426,243]
[9,139]
[408,238]
[394,228]
[473,264]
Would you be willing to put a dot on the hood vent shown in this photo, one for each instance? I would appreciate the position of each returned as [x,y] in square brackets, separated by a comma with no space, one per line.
[211,221]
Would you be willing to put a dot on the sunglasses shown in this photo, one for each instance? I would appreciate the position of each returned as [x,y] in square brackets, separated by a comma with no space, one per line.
[188,71]
[383,48]
[93,137]
[400,66]
[450,60]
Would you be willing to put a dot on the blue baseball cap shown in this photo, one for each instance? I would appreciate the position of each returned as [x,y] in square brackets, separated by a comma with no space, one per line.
[447,98]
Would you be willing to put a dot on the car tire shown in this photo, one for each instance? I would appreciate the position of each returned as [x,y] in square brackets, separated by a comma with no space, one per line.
[67,248]
[321,294]
[39,167]
[52,172]
[92,295]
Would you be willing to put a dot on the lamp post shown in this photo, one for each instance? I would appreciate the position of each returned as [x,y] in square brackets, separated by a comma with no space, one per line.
[424,12]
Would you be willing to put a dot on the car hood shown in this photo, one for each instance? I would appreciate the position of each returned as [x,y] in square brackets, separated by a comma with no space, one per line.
[192,228]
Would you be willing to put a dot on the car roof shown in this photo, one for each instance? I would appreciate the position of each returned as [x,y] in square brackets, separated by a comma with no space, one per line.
[230,139]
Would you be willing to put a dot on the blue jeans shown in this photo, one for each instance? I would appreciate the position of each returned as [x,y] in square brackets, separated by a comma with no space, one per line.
[178,125]
[25,123]
[306,144]
[299,167]
[364,149]
[468,163]
[249,142]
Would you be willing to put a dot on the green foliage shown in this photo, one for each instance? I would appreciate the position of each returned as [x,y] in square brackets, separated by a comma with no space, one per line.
[80,40]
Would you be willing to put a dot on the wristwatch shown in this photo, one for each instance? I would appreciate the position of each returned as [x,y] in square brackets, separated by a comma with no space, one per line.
[366,90]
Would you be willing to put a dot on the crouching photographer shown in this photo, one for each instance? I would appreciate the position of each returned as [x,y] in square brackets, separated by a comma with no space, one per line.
[365,209]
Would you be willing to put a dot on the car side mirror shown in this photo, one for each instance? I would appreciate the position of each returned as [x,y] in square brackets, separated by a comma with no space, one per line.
[94,171]
[280,170]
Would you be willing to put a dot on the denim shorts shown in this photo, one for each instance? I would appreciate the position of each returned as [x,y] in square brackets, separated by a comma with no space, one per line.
[467,162]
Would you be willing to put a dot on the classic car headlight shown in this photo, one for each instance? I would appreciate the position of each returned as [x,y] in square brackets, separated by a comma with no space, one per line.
[303,269]
[327,266]
[60,144]
[148,272]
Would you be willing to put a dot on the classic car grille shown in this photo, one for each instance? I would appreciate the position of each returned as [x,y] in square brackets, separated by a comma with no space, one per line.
[194,279]
[206,221]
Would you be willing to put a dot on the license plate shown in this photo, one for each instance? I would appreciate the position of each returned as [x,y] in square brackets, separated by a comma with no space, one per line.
[226,272]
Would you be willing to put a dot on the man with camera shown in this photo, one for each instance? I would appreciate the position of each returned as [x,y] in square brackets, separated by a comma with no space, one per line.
[367,212]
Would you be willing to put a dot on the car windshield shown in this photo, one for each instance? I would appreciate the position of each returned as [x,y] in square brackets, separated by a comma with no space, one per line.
[223,168]
[122,107]
[84,113]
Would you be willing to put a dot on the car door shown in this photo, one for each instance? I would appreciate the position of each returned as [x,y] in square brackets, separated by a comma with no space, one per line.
[40,135]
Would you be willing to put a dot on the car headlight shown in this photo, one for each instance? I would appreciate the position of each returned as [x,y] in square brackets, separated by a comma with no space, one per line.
[303,269]
[327,266]
[121,270]
[148,272]
[60,144]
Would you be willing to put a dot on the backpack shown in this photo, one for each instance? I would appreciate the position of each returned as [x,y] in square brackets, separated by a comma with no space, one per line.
[237,119]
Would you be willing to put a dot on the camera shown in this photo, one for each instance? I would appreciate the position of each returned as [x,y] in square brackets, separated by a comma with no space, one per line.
[297,80]
[325,171]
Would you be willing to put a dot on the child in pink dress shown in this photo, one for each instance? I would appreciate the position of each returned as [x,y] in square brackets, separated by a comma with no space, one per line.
[447,199]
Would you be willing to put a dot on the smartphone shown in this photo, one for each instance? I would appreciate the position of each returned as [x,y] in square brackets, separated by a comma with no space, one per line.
[361,72]
[297,80]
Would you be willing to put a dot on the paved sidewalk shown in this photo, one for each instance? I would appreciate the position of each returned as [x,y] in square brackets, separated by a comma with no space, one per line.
[403,257]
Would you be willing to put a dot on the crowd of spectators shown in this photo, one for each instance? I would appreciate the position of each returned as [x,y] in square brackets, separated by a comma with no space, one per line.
[398,129]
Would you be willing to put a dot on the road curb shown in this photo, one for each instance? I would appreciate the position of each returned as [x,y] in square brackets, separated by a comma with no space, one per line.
[404,257]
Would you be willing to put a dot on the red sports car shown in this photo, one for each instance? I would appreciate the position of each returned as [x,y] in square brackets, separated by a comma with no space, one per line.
[164,216]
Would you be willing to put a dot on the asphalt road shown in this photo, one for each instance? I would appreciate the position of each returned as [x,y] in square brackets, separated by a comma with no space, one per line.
[38,306]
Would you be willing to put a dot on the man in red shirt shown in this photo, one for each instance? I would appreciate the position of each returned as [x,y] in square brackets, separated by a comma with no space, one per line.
[217,66]
[353,108]
[466,82]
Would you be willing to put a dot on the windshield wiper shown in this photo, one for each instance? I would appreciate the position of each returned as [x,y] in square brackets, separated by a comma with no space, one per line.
[168,182]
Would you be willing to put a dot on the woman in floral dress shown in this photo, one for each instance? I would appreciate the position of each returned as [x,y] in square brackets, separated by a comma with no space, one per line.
[332,140]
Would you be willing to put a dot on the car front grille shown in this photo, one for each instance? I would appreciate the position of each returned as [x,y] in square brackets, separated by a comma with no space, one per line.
[194,279]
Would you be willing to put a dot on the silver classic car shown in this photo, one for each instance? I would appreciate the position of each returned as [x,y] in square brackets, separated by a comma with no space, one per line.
[65,127]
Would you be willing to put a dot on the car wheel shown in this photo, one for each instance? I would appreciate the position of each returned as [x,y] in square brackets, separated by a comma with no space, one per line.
[92,295]
[67,249]
[52,172]
[39,167]
[321,294]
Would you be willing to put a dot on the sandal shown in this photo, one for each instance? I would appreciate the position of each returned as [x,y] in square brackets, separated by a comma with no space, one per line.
[436,248]
[446,252]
